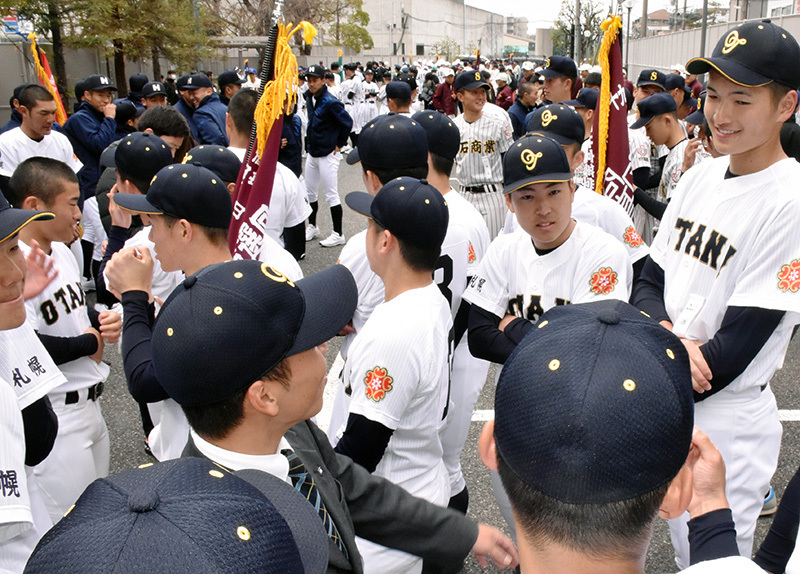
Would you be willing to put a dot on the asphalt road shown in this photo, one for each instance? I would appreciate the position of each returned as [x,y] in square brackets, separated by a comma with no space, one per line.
[127,444]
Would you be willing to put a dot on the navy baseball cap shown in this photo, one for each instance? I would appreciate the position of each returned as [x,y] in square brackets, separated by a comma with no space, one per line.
[398,90]
[229,324]
[673,81]
[754,54]
[142,154]
[559,122]
[391,141]
[653,106]
[12,220]
[126,110]
[186,515]
[316,71]
[97,82]
[652,78]
[218,159]
[534,159]
[151,89]
[586,98]
[180,83]
[227,78]
[137,82]
[471,80]
[188,192]
[196,81]
[697,117]
[411,209]
[559,66]
[444,139]
[595,405]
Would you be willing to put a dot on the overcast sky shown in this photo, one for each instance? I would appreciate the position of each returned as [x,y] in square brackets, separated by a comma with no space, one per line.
[542,13]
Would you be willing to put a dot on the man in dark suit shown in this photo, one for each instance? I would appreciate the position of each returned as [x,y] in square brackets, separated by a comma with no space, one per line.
[242,349]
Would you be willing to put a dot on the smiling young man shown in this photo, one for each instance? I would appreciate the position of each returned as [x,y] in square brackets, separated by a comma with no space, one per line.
[723,270]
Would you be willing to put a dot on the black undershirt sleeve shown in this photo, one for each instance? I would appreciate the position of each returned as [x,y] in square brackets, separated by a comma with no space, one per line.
[66,349]
[650,204]
[41,427]
[294,240]
[641,177]
[137,356]
[780,542]
[488,342]
[364,441]
[637,268]
[742,334]
[648,291]
[712,536]
[94,317]
[461,322]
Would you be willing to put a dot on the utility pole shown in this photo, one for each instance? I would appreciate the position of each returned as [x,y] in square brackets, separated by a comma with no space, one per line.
[578,34]
[644,19]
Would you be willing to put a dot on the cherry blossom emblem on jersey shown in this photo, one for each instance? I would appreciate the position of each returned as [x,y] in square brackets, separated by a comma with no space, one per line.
[632,237]
[603,281]
[471,257]
[789,277]
[378,383]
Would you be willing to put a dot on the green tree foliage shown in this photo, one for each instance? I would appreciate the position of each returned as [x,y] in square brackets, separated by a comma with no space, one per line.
[447,48]
[592,14]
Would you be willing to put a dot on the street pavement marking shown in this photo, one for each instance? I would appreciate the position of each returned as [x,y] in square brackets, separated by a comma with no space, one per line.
[792,415]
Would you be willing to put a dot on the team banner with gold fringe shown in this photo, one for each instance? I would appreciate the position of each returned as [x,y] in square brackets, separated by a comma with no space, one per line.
[46,78]
[278,93]
[613,175]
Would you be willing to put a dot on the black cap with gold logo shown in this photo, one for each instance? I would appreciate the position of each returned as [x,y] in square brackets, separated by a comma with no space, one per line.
[534,159]
[754,54]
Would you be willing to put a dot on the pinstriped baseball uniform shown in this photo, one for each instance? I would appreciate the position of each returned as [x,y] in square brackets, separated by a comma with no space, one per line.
[734,243]
[479,163]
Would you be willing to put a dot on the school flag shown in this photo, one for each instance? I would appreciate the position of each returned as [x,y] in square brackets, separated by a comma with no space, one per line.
[46,78]
[613,175]
[278,93]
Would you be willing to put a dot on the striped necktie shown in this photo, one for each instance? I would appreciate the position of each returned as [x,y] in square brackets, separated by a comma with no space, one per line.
[304,484]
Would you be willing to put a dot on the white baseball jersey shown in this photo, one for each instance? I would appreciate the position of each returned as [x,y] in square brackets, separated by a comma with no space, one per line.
[27,365]
[638,154]
[673,168]
[513,279]
[398,374]
[465,214]
[717,251]
[23,518]
[16,147]
[354,105]
[60,310]
[478,161]
[603,212]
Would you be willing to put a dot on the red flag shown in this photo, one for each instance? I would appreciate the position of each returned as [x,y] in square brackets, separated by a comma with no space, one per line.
[47,79]
[613,175]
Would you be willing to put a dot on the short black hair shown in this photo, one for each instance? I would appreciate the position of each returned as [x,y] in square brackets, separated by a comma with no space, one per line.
[164,121]
[442,164]
[215,235]
[217,420]
[593,79]
[387,175]
[40,177]
[242,109]
[142,183]
[524,88]
[616,529]
[31,95]
[418,258]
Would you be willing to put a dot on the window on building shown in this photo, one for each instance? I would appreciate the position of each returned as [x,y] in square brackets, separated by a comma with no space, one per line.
[420,49]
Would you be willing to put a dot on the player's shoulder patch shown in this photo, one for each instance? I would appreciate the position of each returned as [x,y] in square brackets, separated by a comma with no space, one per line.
[603,281]
[378,384]
[631,237]
[789,277]
[471,253]
[643,150]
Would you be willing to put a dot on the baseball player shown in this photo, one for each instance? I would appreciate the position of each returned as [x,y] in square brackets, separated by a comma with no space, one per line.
[723,269]
[71,331]
[560,79]
[563,124]
[484,138]
[351,93]
[467,374]
[328,127]
[398,366]
[370,96]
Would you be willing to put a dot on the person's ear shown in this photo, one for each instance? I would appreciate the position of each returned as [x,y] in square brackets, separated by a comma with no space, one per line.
[509,205]
[32,202]
[231,187]
[262,397]
[148,131]
[788,105]
[577,160]
[185,229]
[487,447]
[373,183]
[679,494]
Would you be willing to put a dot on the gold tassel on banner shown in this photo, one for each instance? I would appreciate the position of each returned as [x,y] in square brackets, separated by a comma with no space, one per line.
[611,28]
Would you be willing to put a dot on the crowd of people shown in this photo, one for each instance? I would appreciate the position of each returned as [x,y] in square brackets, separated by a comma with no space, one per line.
[636,349]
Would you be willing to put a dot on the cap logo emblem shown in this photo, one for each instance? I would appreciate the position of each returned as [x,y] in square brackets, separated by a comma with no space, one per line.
[654,76]
[548,117]
[478,76]
[547,64]
[189,81]
[699,104]
[530,159]
[104,80]
[732,40]
[156,88]
[275,275]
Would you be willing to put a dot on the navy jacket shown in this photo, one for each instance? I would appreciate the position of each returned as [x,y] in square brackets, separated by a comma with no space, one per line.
[188,113]
[518,112]
[292,155]
[136,99]
[89,132]
[209,118]
[329,124]
[14,122]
